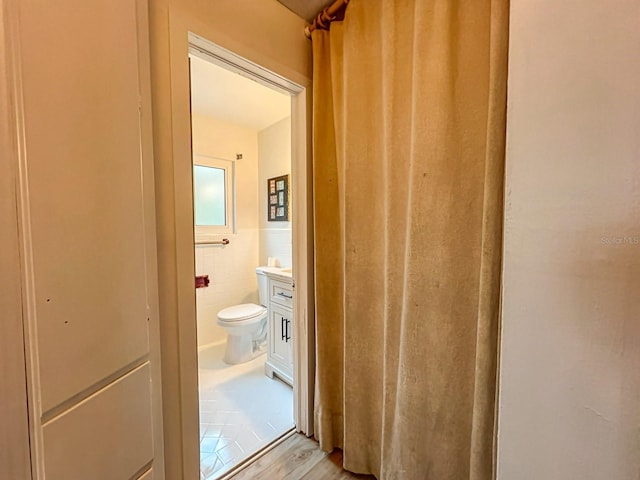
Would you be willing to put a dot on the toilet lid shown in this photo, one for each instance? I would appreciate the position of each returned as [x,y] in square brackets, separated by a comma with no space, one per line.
[241,312]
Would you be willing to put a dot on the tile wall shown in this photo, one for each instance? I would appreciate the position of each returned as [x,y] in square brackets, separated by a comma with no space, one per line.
[274,159]
[231,268]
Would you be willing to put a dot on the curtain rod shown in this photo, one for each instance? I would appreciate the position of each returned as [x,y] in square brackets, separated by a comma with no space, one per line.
[325,17]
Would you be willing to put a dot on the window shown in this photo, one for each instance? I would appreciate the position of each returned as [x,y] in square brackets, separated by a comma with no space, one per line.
[213,198]
[210,192]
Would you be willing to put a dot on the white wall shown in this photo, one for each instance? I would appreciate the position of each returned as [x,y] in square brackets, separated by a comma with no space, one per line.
[274,150]
[231,268]
[570,379]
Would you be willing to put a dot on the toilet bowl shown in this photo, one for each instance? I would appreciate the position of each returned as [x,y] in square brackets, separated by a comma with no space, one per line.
[246,326]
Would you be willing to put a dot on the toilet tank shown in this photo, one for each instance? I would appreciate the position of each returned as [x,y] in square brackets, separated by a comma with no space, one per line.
[263,287]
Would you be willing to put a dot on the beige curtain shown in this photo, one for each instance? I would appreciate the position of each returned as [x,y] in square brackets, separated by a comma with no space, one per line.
[409,124]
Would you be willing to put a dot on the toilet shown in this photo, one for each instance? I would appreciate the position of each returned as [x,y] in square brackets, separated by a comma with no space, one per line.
[246,326]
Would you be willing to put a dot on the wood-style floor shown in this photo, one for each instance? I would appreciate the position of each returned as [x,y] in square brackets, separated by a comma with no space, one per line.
[298,458]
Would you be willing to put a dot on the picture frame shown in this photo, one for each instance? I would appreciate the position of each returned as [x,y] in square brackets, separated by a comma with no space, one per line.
[278,199]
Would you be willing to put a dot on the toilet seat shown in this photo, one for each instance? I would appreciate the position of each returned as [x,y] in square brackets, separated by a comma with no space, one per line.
[243,312]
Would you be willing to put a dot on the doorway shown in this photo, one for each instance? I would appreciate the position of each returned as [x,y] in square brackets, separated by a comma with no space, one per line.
[249,250]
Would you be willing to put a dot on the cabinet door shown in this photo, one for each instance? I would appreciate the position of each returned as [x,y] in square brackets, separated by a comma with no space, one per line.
[281,336]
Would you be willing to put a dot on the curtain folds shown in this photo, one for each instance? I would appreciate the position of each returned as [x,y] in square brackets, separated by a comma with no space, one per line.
[409,126]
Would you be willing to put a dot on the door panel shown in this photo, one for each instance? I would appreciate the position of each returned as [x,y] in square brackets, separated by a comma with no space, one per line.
[281,350]
[98,438]
[84,169]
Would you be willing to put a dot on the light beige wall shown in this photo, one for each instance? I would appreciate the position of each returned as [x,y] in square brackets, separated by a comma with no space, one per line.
[231,268]
[274,149]
[268,34]
[570,380]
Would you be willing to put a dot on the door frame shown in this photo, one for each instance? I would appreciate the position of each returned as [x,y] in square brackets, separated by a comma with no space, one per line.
[303,376]
[15,450]
[181,211]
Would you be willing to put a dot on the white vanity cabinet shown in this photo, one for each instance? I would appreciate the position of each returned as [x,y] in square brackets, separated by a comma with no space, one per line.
[280,336]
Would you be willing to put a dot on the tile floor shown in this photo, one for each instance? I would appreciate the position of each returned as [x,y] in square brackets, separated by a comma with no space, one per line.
[241,411]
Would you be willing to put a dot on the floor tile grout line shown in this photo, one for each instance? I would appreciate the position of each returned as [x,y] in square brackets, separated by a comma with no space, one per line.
[239,422]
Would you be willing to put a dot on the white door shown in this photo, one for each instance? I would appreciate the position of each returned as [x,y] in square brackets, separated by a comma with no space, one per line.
[90,293]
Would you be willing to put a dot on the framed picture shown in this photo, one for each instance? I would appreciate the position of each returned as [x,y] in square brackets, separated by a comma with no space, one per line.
[278,195]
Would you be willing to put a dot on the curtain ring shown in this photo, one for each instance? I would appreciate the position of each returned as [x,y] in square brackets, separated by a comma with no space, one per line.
[324,20]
